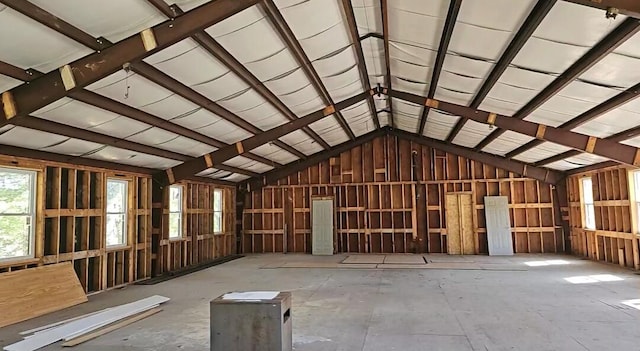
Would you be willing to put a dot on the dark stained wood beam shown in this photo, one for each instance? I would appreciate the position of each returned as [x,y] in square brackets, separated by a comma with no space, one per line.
[524,169]
[362,67]
[602,147]
[531,23]
[158,77]
[27,98]
[43,17]
[445,38]
[387,61]
[615,38]
[83,134]
[613,103]
[119,108]
[303,60]
[626,7]
[219,52]
[274,175]
[371,35]
[211,160]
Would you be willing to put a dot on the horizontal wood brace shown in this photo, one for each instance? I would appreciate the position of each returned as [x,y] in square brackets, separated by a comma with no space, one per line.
[68,80]
[591,144]
[148,39]
[432,103]
[9,105]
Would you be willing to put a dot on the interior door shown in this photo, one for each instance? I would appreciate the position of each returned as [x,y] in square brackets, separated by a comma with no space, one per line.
[459,221]
[322,225]
[496,209]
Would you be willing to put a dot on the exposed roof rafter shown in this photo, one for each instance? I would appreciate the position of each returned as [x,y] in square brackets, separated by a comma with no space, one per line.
[296,49]
[606,45]
[626,7]
[210,160]
[385,33]
[533,20]
[445,38]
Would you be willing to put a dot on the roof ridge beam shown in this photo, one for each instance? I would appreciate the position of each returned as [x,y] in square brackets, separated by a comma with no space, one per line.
[197,165]
[286,34]
[445,38]
[27,98]
[602,147]
[530,24]
[606,45]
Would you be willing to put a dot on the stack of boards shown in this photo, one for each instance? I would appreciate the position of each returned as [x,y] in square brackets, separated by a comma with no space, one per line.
[80,329]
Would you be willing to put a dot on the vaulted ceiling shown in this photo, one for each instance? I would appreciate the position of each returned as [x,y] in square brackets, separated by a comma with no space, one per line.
[233,89]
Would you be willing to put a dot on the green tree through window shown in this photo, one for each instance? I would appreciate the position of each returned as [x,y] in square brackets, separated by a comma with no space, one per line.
[17,192]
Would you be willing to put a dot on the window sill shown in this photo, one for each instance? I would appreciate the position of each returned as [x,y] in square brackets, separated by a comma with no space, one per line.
[18,261]
[118,247]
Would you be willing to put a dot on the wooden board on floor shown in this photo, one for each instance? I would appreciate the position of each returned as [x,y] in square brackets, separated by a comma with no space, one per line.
[32,292]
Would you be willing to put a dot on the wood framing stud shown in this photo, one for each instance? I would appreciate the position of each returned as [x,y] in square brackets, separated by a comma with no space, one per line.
[148,39]
[540,132]
[68,79]
[8,105]
[591,144]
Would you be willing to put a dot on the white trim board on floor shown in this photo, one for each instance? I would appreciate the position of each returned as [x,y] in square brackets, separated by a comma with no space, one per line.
[86,324]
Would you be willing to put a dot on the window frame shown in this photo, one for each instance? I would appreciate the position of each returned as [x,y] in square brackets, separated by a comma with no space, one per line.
[179,212]
[33,186]
[221,211]
[125,213]
[588,208]
[635,197]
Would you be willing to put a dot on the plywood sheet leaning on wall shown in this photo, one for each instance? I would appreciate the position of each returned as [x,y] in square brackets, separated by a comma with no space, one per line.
[32,292]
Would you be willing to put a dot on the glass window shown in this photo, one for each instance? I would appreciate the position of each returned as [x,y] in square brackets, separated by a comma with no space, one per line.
[587,200]
[17,213]
[117,212]
[217,211]
[175,211]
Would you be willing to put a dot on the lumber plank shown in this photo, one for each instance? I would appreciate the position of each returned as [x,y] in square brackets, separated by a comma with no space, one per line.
[90,336]
[33,292]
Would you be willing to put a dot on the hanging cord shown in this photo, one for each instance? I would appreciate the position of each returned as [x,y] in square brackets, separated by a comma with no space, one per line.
[127,69]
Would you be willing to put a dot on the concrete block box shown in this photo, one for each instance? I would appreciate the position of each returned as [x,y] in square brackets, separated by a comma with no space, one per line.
[245,321]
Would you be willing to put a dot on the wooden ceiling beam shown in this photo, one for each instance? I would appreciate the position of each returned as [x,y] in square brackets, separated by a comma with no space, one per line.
[602,147]
[531,23]
[158,77]
[286,34]
[221,54]
[362,67]
[445,38]
[199,164]
[610,42]
[542,174]
[613,103]
[385,36]
[629,8]
[27,98]
[274,175]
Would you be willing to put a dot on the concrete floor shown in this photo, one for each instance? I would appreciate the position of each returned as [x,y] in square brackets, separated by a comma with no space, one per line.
[483,303]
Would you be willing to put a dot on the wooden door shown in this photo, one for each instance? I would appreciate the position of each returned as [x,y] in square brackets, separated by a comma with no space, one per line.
[496,209]
[459,220]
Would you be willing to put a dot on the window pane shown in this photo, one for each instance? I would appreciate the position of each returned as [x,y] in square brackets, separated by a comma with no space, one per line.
[116,229]
[217,200]
[587,189]
[175,225]
[590,217]
[217,222]
[15,236]
[15,192]
[116,196]
[175,198]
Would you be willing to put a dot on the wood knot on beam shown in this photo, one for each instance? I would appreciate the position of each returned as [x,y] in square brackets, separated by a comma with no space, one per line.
[432,103]
[329,110]
[9,105]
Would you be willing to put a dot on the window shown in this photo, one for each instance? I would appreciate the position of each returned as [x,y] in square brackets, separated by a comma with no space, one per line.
[175,211]
[587,200]
[17,214]
[636,187]
[117,212]
[217,211]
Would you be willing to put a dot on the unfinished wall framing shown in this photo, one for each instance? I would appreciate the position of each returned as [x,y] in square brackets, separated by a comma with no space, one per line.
[390,198]
[198,243]
[615,238]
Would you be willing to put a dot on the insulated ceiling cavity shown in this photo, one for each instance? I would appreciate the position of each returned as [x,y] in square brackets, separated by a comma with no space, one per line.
[7,82]
[507,142]
[359,118]
[541,152]
[369,21]
[472,133]
[439,124]
[614,121]
[26,43]
[406,115]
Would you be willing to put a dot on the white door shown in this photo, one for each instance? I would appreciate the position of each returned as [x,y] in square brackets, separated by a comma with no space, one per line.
[496,210]
[322,226]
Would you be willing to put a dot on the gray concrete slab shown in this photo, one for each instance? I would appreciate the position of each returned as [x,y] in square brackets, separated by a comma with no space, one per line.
[532,308]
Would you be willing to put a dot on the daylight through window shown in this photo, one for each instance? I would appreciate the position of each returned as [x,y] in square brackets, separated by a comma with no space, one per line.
[217,211]
[17,214]
[175,211]
[116,212]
